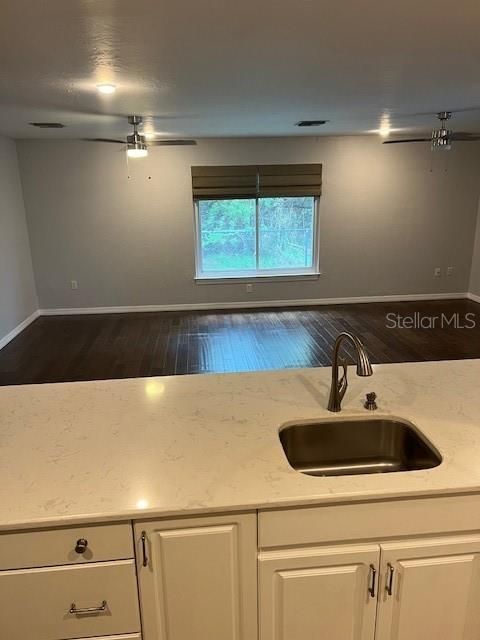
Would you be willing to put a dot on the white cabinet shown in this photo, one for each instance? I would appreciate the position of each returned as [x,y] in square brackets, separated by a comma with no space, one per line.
[197,578]
[317,593]
[435,590]
[426,588]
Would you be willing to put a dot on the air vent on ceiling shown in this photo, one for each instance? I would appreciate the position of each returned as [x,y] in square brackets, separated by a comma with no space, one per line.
[48,125]
[311,123]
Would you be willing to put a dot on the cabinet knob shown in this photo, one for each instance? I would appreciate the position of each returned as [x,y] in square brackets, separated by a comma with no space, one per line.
[81,545]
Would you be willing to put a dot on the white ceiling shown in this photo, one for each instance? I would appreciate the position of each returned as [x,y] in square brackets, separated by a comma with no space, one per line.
[237,67]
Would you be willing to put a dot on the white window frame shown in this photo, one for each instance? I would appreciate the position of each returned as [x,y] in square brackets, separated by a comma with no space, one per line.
[249,274]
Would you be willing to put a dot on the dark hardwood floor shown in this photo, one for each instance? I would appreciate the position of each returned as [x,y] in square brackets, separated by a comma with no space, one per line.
[67,348]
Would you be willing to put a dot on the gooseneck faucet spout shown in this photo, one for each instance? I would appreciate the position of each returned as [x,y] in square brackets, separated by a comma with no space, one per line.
[364,368]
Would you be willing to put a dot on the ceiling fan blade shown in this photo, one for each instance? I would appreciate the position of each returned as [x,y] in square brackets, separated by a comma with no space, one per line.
[170,143]
[103,140]
[407,140]
[434,113]
[463,136]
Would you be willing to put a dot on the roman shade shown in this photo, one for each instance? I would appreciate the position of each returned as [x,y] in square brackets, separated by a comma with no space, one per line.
[277,180]
[211,183]
[251,181]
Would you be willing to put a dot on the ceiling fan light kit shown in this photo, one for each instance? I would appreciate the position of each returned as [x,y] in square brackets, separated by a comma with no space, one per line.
[441,140]
[137,150]
[442,137]
[136,145]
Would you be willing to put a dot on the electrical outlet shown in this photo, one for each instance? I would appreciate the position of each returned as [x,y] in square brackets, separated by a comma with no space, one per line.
[74,284]
[249,288]
[437,272]
[449,271]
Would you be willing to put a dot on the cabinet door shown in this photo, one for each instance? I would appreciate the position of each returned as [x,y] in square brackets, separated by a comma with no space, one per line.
[318,593]
[435,589]
[199,582]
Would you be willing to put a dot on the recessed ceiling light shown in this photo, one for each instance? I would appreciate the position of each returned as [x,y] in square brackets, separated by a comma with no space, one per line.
[385,127]
[384,131]
[106,88]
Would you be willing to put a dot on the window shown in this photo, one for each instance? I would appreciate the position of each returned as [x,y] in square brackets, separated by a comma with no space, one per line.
[256,236]
[256,220]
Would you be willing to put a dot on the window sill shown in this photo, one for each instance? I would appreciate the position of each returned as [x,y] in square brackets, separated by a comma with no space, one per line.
[285,277]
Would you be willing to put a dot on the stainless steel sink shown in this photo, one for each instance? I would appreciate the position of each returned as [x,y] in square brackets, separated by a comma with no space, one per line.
[357,446]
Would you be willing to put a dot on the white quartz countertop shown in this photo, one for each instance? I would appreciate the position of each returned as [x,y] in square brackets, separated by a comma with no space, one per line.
[113,450]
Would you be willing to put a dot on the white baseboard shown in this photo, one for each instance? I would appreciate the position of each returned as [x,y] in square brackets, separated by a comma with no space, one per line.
[199,306]
[473,296]
[18,329]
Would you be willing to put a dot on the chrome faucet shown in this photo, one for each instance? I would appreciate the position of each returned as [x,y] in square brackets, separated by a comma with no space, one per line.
[364,368]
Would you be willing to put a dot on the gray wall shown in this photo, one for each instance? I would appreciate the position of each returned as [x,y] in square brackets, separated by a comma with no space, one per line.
[387,220]
[18,298]
[475,273]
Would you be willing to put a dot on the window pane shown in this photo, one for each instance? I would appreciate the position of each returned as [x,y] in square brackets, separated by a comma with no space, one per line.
[227,234]
[286,233]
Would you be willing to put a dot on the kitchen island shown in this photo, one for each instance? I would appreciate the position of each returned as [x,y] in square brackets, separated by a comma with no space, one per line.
[99,451]
[194,468]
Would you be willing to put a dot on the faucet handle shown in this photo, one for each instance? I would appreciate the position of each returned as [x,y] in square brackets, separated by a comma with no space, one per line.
[370,403]
[343,382]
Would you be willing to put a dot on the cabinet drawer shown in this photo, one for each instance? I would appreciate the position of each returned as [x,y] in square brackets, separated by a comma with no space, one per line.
[36,603]
[43,548]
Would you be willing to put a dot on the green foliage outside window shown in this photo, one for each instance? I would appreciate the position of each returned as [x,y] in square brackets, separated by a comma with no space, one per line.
[228,234]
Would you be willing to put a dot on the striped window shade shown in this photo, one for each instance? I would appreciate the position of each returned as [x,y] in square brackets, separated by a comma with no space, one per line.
[212,183]
[277,180]
[251,181]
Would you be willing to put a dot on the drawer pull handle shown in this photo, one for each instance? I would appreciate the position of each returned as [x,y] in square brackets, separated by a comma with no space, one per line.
[74,611]
[389,585]
[81,545]
[373,574]
[144,549]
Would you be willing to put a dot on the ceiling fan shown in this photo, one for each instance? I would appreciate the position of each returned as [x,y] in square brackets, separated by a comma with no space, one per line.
[441,137]
[137,144]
